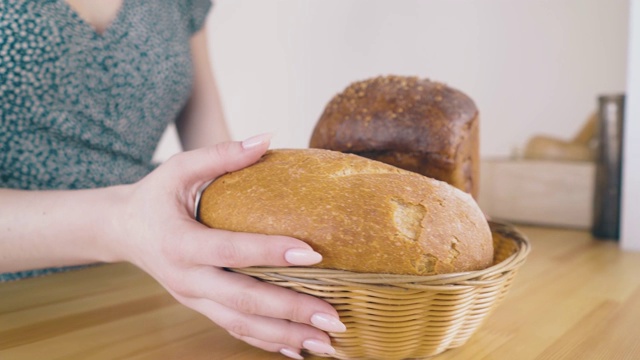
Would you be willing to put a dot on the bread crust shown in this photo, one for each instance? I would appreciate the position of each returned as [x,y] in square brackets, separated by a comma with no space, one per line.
[415,124]
[361,215]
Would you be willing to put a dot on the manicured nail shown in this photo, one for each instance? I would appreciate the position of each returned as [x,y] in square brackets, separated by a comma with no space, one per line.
[291,354]
[256,140]
[327,322]
[302,257]
[318,346]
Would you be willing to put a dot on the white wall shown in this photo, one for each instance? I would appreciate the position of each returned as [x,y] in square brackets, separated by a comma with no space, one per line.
[630,231]
[532,66]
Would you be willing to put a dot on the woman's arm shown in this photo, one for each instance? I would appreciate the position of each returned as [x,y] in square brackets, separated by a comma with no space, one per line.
[151,224]
[41,229]
[201,122]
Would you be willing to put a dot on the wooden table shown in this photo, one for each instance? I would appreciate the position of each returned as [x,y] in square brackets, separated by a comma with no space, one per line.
[575,298]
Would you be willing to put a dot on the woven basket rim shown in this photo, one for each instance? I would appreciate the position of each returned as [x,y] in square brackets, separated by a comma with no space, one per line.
[318,276]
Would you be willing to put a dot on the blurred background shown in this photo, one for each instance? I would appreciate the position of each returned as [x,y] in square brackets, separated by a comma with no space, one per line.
[533,67]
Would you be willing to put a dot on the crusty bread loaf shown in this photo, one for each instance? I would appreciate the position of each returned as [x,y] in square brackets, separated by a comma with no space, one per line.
[361,215]
[415,124]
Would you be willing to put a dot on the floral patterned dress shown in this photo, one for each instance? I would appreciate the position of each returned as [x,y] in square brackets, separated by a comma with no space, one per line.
[82,109]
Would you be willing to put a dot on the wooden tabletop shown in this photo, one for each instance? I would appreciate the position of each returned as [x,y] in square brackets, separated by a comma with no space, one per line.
[575,298]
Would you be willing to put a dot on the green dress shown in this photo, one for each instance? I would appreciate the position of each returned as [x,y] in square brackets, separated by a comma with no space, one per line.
[79,109]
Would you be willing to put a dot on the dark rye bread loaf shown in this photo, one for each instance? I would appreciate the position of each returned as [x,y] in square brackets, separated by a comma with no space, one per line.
[361,215]
[415,124]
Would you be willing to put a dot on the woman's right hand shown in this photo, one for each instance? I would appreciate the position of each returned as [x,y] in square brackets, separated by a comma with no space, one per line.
[158,233]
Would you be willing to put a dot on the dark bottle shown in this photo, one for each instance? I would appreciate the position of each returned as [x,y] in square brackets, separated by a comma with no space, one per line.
[607,194]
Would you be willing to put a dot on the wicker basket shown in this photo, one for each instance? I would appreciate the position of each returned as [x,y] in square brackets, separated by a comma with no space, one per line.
[407,317]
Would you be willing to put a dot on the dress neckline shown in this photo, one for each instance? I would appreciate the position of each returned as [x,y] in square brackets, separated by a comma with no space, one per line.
[86,25]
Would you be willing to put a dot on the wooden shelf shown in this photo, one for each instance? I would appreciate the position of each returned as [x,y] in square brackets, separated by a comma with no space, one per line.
[538,192]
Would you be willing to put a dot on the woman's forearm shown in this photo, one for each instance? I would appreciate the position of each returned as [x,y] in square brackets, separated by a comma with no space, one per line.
[58,228]
[150,223]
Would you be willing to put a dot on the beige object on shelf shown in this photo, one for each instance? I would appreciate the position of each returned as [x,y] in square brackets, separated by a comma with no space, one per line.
[540,192]
[579,148]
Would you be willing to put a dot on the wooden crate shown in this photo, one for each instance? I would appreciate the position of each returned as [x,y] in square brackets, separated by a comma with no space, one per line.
[538,192]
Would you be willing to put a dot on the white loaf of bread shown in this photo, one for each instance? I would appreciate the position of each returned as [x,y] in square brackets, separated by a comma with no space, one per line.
[361,215]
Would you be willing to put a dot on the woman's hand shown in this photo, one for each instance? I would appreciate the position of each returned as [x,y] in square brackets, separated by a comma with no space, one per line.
[159,235]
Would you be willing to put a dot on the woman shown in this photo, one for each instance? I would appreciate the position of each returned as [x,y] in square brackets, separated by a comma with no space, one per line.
[87,89]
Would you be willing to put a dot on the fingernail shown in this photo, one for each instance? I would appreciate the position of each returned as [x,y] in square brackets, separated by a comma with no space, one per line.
[318,346]
[291,354]
[256,140]
[327,322]
[302,257]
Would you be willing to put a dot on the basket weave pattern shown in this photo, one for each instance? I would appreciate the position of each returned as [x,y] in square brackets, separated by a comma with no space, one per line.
[394,317]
